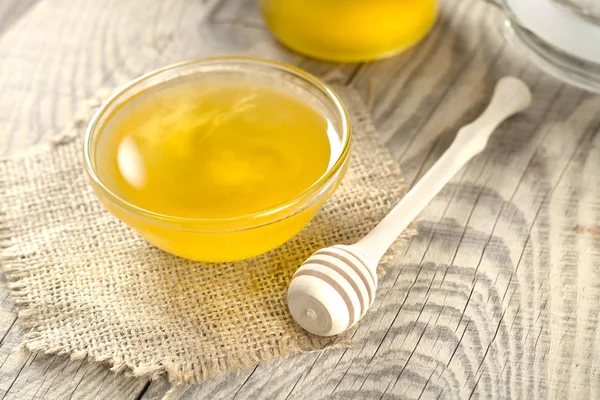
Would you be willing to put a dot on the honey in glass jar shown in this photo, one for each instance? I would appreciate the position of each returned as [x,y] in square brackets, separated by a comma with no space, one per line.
[349,30]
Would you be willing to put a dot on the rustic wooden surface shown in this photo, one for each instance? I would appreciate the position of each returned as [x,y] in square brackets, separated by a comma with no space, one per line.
[498,296]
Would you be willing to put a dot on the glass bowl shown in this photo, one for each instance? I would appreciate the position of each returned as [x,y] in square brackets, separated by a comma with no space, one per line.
[561,37]
[227,239]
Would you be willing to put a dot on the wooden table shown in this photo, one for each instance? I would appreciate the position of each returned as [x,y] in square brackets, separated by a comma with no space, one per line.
[498,296]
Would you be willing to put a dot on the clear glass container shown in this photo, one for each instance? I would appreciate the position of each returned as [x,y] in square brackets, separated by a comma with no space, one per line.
[226,239]
[562,37]
[349,30]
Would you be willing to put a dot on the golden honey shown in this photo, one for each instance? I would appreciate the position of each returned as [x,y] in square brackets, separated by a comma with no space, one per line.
[349,30]
[214,151]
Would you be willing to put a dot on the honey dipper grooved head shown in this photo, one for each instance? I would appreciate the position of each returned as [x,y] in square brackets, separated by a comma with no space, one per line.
[332,290]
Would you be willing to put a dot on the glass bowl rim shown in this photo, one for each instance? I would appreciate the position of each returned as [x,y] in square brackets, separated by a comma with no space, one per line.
[304,199]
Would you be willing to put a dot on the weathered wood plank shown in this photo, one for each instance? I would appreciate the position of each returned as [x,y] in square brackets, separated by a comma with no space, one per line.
[497,295]
[12,10]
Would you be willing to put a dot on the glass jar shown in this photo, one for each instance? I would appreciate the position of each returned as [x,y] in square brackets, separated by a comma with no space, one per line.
[562,37]
[349,30]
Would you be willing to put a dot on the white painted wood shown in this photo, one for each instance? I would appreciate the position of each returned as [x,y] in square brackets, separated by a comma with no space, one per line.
[495,298]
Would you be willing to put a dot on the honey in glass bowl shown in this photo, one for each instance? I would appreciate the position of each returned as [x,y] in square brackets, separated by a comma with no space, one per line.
[349,30]
[220,163]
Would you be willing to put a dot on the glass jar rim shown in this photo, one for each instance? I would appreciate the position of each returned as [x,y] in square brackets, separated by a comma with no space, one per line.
[250,221]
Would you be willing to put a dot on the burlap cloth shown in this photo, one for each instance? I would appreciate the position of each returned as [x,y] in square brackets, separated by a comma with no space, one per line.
[88,286]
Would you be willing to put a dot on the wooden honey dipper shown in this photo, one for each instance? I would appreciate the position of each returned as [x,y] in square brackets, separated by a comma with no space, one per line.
[334,288]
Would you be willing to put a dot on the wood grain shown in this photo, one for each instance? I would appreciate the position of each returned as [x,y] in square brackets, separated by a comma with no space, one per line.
[497,296]
[12,10]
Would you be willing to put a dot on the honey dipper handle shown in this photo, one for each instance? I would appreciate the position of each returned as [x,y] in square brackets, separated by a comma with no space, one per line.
[511,95]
